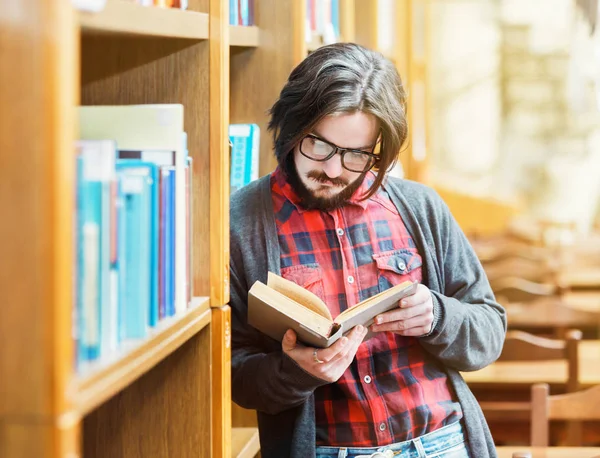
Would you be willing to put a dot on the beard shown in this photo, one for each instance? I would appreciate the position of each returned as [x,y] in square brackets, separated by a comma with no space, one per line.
[307,197]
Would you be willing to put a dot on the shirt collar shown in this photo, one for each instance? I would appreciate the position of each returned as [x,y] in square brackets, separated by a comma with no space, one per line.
[290,194]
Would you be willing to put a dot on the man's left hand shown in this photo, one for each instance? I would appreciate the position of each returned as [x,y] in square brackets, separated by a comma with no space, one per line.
[413,318]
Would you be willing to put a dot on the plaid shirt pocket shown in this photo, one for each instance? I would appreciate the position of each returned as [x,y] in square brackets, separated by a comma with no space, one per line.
[396,266]
[309,276]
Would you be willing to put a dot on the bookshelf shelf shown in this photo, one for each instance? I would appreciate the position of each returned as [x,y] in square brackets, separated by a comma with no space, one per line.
[244,36]
[125,18]
[102,380]
[245,442]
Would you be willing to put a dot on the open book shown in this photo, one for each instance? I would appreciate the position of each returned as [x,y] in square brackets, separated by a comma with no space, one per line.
[281,305]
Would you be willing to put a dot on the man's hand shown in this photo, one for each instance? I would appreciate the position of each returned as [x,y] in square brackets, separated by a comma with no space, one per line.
[335,359]
[413,318]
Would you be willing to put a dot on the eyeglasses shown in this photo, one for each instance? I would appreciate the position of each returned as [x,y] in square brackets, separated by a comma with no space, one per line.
[320,150]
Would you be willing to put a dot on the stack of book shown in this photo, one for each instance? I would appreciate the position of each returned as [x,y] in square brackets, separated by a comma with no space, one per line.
[133,224]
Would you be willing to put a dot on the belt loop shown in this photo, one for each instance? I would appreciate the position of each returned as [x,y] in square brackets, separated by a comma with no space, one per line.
[420,448]
[343,452]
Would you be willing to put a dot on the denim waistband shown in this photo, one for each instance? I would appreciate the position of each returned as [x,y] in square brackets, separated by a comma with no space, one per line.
[434,442]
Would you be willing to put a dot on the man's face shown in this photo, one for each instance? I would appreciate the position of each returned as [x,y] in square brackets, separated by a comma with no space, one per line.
[327,185]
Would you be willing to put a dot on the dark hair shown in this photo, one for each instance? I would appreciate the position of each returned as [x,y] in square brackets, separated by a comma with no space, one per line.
[341,78]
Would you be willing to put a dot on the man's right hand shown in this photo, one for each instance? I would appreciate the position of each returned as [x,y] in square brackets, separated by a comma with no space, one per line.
[336,358]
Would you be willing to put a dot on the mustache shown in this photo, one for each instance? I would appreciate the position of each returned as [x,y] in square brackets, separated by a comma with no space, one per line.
[322,177]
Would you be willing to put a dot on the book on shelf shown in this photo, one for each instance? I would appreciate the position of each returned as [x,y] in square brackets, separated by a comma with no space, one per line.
[241,12]
[131,165]
[245,152]
[97,282]
[282,304]
[150,128]
[138,269]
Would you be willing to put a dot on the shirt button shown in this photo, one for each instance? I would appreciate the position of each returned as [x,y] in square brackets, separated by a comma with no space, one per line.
[350,279]
[367,379]
[340,232]
[382,427]
[401,265]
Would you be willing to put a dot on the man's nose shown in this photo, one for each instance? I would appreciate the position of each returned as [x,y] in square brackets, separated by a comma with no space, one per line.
[333,167]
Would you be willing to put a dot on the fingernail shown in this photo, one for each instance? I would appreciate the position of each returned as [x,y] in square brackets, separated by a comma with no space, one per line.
[403,303]
[378,320]
[344,341]
[359,328]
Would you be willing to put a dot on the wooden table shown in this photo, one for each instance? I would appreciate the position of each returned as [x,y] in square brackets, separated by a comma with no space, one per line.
[551,452]
[552,372]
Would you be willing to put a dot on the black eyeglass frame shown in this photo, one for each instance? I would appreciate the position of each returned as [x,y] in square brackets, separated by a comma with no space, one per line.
[336,149]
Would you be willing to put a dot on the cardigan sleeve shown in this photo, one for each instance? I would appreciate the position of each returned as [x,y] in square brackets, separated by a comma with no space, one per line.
[264,378]
[469,325]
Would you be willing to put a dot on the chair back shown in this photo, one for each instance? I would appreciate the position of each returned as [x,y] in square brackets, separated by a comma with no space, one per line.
[575,407]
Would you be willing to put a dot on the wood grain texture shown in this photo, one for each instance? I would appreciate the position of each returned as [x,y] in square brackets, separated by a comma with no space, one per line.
[258,75]
[127,70]
[242,418]
[219,152]
[164,414]
[347,20]
[366,29]
[38,89]
[117,16]
[102,380]
[221,381]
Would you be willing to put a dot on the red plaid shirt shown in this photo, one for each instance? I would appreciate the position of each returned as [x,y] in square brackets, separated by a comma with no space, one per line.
[393,390]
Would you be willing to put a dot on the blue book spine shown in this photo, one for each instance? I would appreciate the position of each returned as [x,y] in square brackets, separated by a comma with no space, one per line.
[245,12]
[244,154]
[233,12]
[90,272]
[136,189]
[335,17]
[154,246]
[168,267]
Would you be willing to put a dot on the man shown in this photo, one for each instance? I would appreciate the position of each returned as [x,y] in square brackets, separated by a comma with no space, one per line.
[331,221]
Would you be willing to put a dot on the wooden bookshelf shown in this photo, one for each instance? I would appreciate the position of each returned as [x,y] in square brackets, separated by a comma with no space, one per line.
[121,17]
[101,380]
[156,397]
[244,36]
[245,442]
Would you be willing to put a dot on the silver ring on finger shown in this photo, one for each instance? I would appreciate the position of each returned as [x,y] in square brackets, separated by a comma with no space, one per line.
[316,357]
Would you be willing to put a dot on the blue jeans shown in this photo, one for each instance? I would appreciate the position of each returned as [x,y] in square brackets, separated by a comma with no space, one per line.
[446,442]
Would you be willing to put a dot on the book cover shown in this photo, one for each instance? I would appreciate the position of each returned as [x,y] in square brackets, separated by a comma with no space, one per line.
[281,305]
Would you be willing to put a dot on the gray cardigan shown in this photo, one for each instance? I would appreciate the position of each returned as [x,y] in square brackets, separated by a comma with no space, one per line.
[468,330]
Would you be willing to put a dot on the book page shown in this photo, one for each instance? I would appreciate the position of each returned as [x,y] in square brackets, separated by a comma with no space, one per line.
[367,303]
[298,294]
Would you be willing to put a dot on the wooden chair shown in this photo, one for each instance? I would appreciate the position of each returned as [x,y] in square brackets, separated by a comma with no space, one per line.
[527,269]
[575,407]
[522,346]
[516,289]
[551,313]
